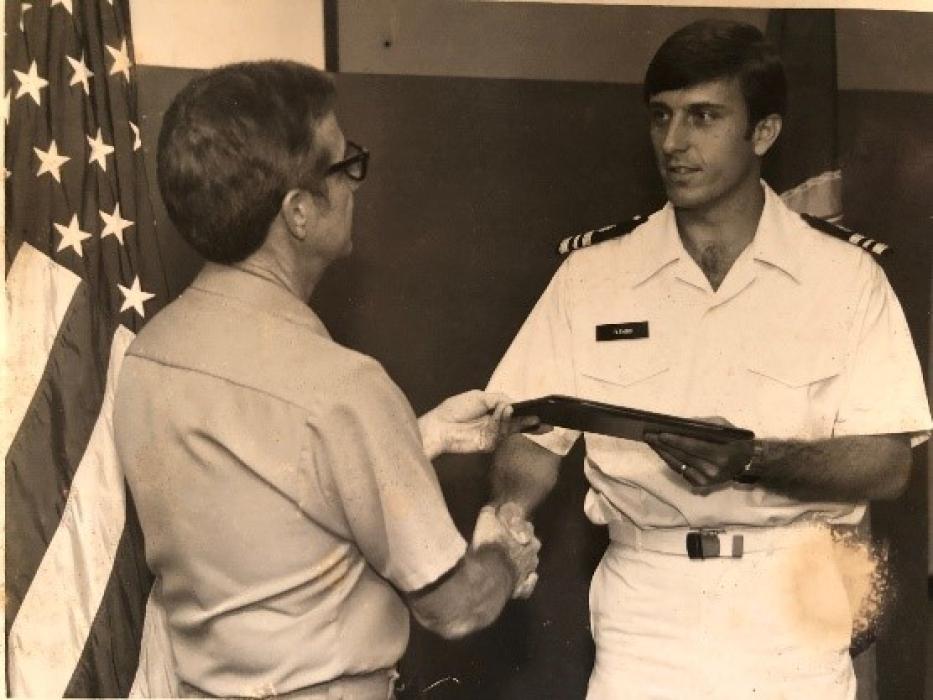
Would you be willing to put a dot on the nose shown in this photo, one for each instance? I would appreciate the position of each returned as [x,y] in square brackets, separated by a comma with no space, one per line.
[675,136]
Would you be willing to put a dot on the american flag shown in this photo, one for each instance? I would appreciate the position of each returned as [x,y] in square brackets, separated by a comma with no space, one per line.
[83,274]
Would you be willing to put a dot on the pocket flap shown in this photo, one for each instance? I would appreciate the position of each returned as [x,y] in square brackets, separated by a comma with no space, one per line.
[623,363]
[797,367]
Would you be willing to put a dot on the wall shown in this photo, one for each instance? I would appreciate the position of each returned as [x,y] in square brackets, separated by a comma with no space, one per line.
[885,51]
[883,156]
[493,136]
[508,40]
[207,33]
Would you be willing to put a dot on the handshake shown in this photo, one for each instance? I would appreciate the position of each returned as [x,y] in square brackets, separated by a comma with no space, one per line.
[476,421]
[502,558]
[506,528]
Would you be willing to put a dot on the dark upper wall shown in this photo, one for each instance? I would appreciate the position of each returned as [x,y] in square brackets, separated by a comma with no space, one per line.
[888,51]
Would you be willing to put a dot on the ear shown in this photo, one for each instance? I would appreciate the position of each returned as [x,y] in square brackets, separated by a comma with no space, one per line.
[766,133]
[299,213]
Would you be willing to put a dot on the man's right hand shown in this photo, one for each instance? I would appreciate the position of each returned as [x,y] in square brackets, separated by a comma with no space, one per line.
[474,421]
[496,567]
[510,531]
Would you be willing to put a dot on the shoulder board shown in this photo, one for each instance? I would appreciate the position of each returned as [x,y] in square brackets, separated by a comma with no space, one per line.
[598,235]
[876,248]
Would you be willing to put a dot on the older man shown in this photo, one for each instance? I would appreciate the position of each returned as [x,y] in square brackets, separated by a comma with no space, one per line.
[282,482]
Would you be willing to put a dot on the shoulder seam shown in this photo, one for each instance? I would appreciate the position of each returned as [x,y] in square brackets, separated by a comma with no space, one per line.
[234,382]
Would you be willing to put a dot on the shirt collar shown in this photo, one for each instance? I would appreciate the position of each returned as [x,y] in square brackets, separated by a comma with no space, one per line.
[773,243]
[660,246]
[257,292]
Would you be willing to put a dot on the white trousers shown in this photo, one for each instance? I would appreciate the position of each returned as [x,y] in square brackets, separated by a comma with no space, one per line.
[772,625]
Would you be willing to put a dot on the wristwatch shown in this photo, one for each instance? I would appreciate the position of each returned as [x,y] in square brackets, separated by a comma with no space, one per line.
[750,475]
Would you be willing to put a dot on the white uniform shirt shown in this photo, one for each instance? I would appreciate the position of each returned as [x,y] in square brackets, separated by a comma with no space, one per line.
[804,339]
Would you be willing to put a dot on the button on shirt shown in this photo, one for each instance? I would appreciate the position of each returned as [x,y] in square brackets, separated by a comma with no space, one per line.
[804,339]
[281,487]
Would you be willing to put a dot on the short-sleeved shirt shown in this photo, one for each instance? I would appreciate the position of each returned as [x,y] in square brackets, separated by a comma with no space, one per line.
[282,490]
[804,339]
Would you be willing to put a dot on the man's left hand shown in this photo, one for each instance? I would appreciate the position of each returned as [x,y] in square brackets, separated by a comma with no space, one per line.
[702,463]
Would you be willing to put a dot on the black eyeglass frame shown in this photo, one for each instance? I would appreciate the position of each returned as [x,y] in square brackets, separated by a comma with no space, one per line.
[361,157]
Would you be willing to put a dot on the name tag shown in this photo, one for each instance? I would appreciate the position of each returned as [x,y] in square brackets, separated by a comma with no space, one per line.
[622,331]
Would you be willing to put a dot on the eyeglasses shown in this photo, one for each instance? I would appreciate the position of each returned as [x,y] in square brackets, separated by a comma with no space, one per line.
[354,165]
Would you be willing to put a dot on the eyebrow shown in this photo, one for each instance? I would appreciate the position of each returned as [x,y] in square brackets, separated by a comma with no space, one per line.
[707,105]
[690,105]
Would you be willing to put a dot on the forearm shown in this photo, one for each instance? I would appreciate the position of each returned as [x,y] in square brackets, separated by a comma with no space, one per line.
[470,597]
[855,468]
[523,472]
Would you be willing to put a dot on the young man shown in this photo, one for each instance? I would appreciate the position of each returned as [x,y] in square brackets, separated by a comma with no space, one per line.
[283,484]
[720,581]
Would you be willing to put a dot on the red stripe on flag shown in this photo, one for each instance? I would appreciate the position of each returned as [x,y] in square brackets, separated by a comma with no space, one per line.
[113,643]
[47,449]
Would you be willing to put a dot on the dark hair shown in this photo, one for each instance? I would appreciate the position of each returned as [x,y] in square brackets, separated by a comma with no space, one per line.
[233,143]
[712,49]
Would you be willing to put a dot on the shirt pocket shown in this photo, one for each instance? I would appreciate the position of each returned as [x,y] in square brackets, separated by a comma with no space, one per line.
[632,373]
[794,389]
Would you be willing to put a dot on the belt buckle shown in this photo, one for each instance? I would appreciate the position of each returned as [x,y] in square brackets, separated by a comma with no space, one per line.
[703,544]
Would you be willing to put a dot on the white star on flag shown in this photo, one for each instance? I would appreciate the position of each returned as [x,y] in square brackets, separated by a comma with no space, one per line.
[50,161]
[135,297]
[137,142]
[121,60]
[64,3]
[25,7]
[115,223]
[81,73]
[99,150]
[30,83]
[72,236]
[6,107]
